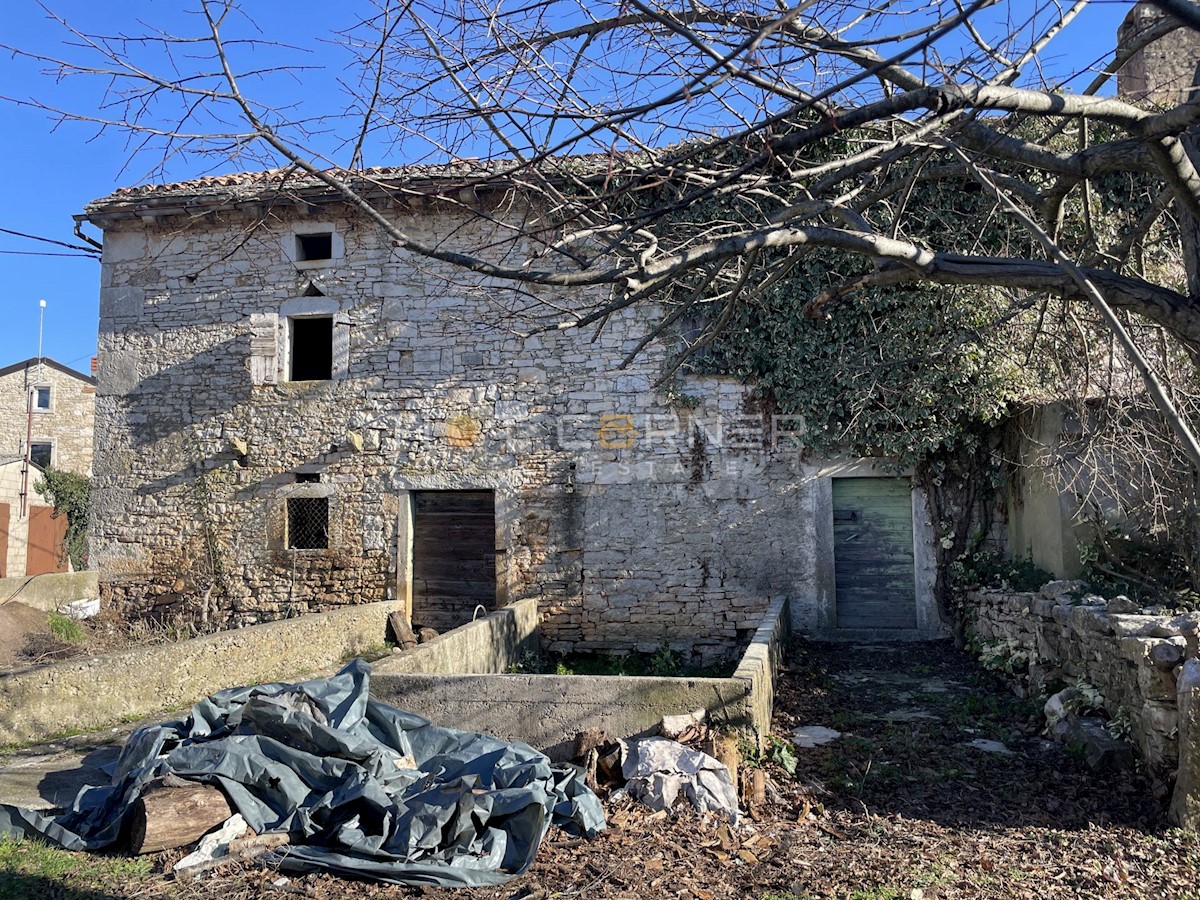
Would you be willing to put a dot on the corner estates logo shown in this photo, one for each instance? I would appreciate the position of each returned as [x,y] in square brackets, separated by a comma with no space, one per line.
[617,432]
[622,431]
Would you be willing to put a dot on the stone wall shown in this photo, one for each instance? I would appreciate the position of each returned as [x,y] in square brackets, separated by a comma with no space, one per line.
[1134,660]
[67,424]
[634,517]
[1164,72]
[488,646]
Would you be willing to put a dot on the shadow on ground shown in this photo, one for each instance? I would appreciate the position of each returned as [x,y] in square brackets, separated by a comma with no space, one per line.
[35,887]
[926,733]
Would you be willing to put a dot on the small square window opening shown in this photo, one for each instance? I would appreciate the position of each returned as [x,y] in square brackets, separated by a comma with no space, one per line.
[312,348]
[41,398]
[308,523]
[311,247]
[40,454]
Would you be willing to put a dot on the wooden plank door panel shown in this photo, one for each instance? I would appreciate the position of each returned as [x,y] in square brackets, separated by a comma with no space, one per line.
[874,572]
[453,557]
[47,536]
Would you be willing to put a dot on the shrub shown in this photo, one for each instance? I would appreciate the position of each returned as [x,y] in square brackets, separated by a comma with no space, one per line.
[70,495]
[987,568]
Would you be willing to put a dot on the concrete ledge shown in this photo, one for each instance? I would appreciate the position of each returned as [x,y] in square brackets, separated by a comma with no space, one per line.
[91,693]
[491,645]
[49,592]
[761,663]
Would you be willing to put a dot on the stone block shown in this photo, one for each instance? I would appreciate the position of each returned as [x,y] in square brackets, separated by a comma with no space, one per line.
[1185,802]
[1101,751]
[1063,590]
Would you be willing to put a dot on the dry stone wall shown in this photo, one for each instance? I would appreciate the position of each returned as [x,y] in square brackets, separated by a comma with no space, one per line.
[1134,660]
[633,518]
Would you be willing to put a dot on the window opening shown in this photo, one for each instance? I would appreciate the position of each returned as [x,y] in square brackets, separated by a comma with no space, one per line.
[40,454]
[308,478]
[41,398]
[308,523]
[310,247]
[312,348]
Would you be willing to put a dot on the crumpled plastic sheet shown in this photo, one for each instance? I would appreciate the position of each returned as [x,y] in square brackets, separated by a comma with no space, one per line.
[333,768]
[657,770]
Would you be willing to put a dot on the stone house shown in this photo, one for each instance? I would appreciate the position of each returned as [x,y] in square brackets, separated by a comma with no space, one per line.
[54,407]
[1164,72]
[49,408]
[296,415]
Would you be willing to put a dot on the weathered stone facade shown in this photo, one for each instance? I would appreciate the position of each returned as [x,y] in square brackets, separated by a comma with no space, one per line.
[636,516]
[65,421]
[1164,72]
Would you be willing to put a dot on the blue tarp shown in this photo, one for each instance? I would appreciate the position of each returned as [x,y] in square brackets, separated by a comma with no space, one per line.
[364,789]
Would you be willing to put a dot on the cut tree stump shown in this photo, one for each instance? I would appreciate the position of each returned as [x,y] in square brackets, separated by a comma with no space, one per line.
[173,813]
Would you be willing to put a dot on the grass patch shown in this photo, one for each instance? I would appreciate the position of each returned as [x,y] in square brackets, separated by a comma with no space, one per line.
[662,663]
[66,629]
[373,653]
[27,866]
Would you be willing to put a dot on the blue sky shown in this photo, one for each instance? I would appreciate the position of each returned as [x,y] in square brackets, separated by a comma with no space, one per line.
[53,170]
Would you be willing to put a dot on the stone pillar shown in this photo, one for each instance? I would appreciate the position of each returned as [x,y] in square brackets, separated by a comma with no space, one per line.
[1185,803]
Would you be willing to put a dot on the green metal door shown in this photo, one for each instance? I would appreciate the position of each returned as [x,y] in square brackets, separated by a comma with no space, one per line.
[874,575]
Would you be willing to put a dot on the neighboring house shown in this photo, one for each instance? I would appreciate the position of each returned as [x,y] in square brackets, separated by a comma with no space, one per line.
[292,408]
[52,406]
[50,409]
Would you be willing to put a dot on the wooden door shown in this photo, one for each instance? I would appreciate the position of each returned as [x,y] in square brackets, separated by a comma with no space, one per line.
[453,557]
[874,572]
[47,536]
[4,540]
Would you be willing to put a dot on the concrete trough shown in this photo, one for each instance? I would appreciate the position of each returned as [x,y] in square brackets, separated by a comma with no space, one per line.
[459,680]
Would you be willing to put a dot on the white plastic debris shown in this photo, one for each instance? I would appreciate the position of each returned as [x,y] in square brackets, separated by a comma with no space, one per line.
[809,736]
[215,844]
[674,727]
[81,609]
[657,771]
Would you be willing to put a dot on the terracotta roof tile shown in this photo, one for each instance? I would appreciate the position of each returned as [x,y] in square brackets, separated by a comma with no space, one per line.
[292,183]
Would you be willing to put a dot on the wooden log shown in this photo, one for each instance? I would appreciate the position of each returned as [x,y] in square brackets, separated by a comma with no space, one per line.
[173,813]
[402,632]
[724,749]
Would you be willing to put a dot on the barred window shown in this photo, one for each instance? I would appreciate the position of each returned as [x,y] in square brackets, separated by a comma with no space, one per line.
[308,523]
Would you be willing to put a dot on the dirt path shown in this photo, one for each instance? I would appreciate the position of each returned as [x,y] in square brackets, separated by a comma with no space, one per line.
[901,806]
[17,623]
